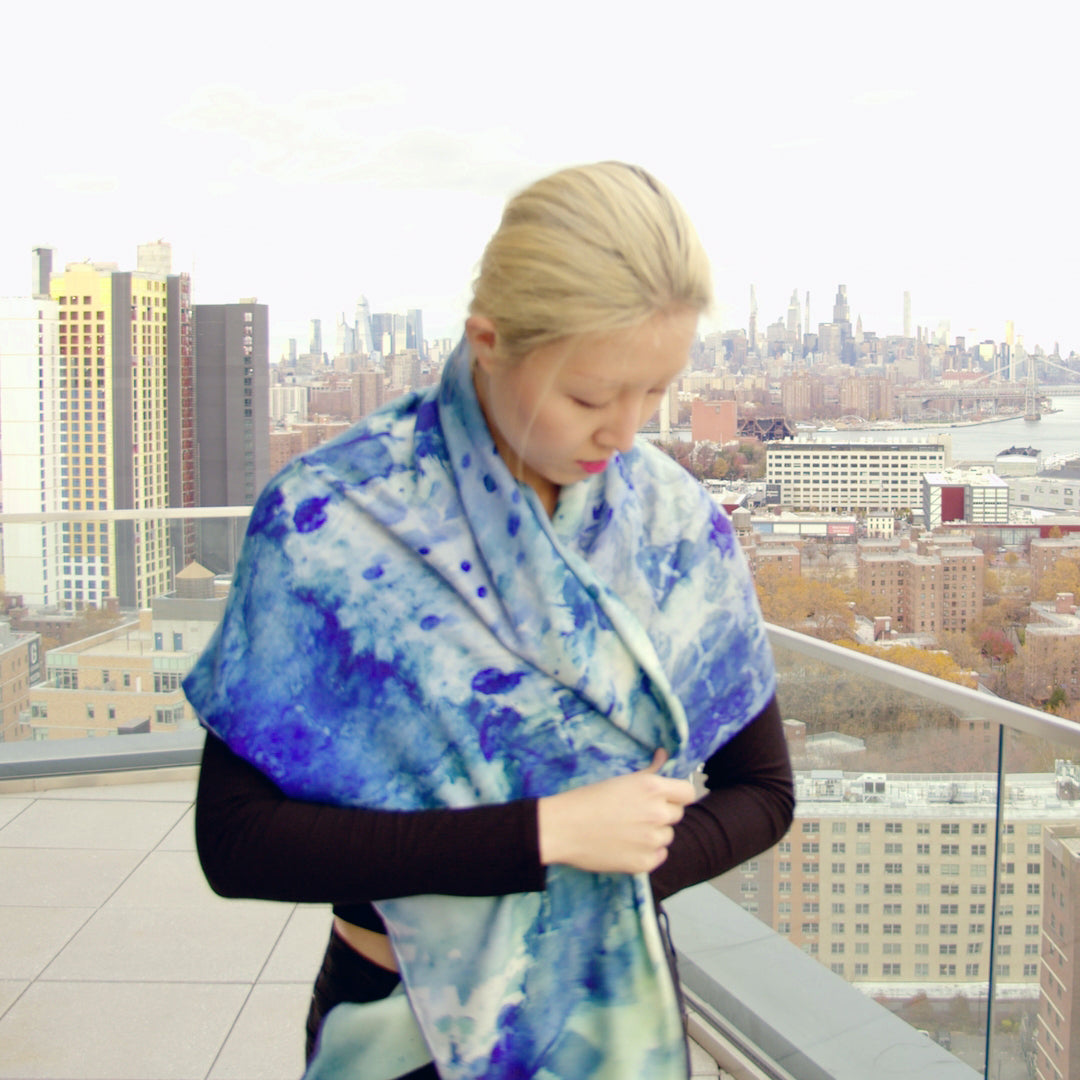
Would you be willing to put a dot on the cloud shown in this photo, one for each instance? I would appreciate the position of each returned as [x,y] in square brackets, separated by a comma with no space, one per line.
[882,97]
[349,137]
[83,183]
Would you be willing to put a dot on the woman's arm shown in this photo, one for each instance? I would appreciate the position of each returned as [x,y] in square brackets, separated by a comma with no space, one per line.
[256,842]
[747,808]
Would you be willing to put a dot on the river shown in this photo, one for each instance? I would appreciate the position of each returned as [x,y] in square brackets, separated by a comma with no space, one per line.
[1056,434]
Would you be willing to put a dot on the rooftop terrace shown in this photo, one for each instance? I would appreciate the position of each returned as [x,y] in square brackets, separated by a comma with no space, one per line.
[117,961]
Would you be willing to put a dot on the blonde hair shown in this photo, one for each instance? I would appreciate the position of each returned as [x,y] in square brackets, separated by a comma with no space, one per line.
[590,249]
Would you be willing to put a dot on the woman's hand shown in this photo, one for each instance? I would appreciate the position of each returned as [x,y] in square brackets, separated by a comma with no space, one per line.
[619,826]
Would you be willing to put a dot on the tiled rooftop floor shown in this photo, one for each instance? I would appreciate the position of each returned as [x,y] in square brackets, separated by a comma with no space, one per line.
[117,962]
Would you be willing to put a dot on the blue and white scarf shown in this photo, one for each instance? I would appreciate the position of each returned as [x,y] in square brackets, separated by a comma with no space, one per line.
[409,629]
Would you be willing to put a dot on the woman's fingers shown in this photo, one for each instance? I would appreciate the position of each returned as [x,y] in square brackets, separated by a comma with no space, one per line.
[621,825]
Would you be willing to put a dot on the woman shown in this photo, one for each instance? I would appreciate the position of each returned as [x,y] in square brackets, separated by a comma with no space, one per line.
[474,648]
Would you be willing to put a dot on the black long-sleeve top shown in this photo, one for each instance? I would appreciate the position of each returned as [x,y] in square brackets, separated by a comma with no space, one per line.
[258,843]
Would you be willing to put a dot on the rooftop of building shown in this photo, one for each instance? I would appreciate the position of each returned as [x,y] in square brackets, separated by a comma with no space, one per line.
[1028,796]
[972,477]
[119,962]
[126,641]
[866,443]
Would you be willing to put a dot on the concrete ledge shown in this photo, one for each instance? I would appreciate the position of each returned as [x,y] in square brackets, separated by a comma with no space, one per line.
[54,758]
[784,1008]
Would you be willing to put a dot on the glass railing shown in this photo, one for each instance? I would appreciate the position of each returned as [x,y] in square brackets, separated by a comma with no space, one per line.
[115,608]
[933,856]
[928,878]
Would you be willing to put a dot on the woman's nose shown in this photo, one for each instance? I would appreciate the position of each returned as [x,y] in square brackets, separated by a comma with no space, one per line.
[619,428]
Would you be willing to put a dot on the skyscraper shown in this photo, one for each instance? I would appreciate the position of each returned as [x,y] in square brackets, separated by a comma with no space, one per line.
[841,311]
[316,343]
[180,394]
[907,314]
[29,447]
[842,320]
[363,327]
[42,272]
[345,338]
[382,333]
[794,324]
[752,326]
[414,330]
[112,404]
[232,383]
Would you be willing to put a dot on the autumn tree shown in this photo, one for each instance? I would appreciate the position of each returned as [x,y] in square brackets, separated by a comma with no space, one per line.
[1063,577]
[815,607]
[996,645]
[934,662]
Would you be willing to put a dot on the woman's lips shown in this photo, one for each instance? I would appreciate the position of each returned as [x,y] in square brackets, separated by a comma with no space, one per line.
[593,466]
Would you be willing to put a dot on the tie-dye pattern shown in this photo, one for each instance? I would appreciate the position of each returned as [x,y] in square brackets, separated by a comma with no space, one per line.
[408,629]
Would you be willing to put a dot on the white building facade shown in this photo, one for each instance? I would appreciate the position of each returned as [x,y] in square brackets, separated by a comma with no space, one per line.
[29,446]
[852,476]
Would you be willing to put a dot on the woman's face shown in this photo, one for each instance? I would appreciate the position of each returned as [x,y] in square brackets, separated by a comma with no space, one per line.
[559,414]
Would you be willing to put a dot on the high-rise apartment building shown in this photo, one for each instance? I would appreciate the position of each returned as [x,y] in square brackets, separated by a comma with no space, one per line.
[368,392]
[802,395]
[30,446]
[1058,1034]
[928,587]
[1045,552]
[888,879]
[289,403]
[180,394]
[1052,644]
[870,396]
[112,413]
[233,408]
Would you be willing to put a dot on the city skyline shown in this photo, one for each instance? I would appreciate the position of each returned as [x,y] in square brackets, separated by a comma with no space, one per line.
[811,147]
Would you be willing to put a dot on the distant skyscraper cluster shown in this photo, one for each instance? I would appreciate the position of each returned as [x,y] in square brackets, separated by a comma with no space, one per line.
[120,394]
[376,336]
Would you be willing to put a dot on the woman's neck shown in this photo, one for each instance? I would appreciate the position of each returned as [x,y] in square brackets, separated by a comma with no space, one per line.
[546,490]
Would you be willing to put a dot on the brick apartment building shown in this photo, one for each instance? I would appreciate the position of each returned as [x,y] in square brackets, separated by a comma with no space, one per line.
[1044,553]
[1058,1033]
[925,587]
[1052,640]
[888,878]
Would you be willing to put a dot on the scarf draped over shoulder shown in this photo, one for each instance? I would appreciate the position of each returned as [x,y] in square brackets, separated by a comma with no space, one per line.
[408,629]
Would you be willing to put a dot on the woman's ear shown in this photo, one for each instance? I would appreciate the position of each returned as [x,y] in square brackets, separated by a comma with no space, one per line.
[482,337]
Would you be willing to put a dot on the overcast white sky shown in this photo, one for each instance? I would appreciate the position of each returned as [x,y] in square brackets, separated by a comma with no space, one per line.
[310,155]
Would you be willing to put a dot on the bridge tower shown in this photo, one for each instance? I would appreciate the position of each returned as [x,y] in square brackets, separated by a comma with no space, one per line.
[1031,393]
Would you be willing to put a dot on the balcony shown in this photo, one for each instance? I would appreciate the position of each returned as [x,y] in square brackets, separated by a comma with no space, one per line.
[920,920]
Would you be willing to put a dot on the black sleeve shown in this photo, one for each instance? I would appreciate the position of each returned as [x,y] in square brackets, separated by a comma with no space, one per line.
[748,807]
[256,842]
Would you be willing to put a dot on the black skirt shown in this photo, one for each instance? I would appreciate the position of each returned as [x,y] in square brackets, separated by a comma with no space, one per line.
[347,976]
